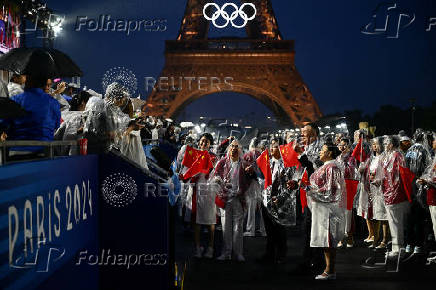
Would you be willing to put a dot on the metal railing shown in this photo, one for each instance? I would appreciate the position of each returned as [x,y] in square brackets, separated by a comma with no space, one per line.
[49,147]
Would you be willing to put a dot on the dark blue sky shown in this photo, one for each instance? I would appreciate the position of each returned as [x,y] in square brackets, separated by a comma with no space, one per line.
[344,68]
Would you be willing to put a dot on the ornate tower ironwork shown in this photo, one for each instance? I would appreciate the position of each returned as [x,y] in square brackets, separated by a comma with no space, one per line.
[261,65]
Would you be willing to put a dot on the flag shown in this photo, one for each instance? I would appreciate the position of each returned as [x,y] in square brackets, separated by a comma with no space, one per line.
[351,186]
[289,156]
[407,177]
[220,202]
[190,156]
[197,161]
[264,166]
[303,197]
[358,152]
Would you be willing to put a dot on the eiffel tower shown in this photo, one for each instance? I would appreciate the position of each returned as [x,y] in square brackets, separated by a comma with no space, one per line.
[260,65]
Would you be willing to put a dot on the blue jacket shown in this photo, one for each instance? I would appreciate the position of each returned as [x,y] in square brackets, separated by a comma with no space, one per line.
[44,116]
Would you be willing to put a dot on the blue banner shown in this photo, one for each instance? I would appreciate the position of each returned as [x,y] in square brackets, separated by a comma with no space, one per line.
[48,214]
[134,227]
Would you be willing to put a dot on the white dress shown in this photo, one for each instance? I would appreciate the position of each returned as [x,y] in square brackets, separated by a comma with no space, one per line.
[378,202]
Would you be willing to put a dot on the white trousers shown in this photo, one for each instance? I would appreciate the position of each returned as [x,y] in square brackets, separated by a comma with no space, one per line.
[397,214]
[348,216]
[251,216]
[433,217]
[232,220]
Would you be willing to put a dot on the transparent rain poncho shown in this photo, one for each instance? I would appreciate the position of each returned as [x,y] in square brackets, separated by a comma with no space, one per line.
[389,177]
[105,120]
[418,158]
[327,184]
[429,174]
[370,199]
[348,164]
[73,121]
[312,151]
[116,99]
[283,210]
[106,125]
[327,200]
[95,128]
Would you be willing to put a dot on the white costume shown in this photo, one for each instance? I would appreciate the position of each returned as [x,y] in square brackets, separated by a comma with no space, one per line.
[397,205]
[327,202]
[231,176]
[378,202]
[253,199]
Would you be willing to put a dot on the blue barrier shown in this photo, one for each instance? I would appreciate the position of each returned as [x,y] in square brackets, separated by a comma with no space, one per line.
[48,211]
[139,230]
[89,222]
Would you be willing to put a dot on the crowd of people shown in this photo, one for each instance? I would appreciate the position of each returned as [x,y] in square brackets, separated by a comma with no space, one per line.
[57,111]
[334,179]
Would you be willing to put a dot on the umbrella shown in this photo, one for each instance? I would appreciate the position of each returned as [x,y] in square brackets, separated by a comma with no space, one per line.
[39,61]
[10,109]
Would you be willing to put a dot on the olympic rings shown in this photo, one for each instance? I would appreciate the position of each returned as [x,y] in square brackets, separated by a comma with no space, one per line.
[221,12]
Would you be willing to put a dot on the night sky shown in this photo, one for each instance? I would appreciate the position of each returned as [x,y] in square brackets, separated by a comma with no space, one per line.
[344,68]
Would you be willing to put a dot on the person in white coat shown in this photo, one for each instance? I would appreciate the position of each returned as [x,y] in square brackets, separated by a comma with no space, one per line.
[230,173]
[327,201]
[348,165]
[254,194]
[395,197]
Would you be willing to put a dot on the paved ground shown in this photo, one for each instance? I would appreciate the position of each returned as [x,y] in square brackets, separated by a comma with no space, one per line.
[206,274]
